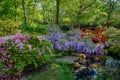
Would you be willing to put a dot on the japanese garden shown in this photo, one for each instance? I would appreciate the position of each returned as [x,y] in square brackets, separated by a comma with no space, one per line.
[59,39]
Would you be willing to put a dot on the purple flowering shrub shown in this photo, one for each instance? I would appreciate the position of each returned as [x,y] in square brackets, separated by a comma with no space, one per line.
[19,51]
[71,41]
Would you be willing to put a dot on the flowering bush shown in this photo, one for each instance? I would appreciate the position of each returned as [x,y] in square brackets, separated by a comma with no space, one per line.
[19,51]
[8,27]
[71,41]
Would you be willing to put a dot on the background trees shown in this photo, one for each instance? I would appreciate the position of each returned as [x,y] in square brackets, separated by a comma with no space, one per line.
[62,12]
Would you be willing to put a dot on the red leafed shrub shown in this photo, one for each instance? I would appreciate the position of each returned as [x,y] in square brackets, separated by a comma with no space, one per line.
[98,33]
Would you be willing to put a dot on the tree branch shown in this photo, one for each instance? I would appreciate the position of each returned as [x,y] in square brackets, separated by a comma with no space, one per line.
[82,8]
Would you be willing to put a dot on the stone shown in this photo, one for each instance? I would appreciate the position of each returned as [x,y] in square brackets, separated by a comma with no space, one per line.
[80,55]
[93,66]
[76,65]
[67,59]
[80,69]
[82,61]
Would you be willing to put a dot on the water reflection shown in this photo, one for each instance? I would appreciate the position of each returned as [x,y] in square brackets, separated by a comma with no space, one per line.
[109,71]
[112,69]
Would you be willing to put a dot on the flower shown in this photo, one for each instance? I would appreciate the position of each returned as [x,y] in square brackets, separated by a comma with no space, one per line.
[20,45]
[72,40]
[41,38]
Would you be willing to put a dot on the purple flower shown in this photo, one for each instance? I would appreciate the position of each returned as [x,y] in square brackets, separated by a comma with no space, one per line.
[58,46]
[78,37]
[20,46]
[67,46]
[16,41]
[98,50]
[71,40]
[4,39]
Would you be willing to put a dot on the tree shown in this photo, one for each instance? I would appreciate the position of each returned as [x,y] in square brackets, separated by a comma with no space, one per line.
[57,11]
[62,12]
[110,10]
[77,11]
[25,12]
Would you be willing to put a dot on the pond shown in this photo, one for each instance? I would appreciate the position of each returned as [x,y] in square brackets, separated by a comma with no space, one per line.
[109,71]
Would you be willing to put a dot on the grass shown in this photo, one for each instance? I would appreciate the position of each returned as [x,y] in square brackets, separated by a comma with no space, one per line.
[55,72]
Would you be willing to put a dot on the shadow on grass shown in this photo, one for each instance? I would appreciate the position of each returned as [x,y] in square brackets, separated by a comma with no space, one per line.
[55,71]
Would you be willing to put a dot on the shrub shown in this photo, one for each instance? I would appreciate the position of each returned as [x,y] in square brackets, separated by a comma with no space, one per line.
[19,51]
[35,28]
[114,50]
[8,27]
[71,41]
[65,28]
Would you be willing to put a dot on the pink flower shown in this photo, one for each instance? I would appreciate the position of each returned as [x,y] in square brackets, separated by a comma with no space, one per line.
[9,65]
[20,46]
[41,38]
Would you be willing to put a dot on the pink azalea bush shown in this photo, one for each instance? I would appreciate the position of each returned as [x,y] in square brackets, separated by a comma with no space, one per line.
[19,51]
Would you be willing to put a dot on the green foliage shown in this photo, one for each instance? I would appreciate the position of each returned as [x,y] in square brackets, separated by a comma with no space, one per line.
[71,12]
[113,35]
[54,72]
[8,27]
[114,49]
[34,28]
[7,9]
[43,45]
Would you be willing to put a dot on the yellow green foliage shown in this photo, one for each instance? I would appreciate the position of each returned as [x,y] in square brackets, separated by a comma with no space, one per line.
[8,27]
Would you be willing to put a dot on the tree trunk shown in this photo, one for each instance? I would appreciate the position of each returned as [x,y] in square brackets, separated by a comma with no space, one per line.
[57,11]
[109,13]
[44,21]
[53,17]
[34,6]
[15,6]
[25,12]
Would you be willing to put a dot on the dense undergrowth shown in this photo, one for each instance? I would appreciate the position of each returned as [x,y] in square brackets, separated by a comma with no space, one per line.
[55,71]
[9,27]
[71,41]
[18,52]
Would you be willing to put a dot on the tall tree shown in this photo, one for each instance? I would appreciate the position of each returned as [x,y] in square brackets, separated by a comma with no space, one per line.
[111,4]
[15,6]
[83,8]
[57,11]
[25,12]
[33,10]
[77,11]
